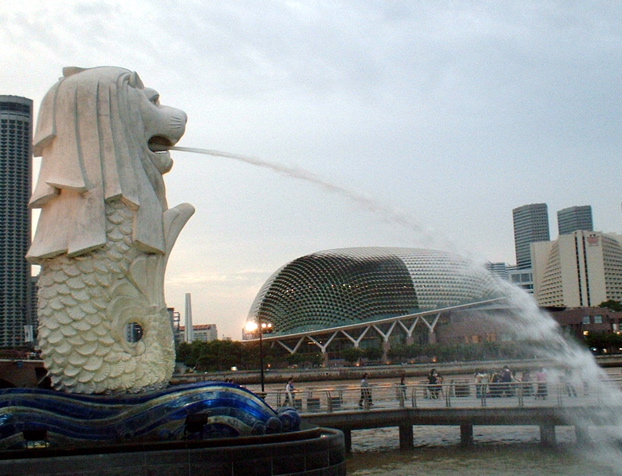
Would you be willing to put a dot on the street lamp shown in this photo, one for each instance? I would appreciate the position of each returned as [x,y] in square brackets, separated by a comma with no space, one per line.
[261,328]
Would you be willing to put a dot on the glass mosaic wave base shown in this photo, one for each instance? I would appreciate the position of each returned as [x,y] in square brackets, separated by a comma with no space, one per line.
[60,419]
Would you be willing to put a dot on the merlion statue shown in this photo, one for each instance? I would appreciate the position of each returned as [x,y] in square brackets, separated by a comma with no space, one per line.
[105,231]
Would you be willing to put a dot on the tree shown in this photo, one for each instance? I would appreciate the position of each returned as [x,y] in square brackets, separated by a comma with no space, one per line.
[611,304]
[189,353]
[352,354]
[295,359]
[373,353]
[399,353]
[604,341]
[312,359]
[217,355]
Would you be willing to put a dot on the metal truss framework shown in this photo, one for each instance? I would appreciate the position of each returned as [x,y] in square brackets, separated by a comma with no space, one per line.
[384,328]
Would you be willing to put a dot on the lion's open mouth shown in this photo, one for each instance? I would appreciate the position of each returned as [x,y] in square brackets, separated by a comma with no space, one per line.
[159,144]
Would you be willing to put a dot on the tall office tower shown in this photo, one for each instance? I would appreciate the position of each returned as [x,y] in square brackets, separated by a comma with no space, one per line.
[574,219]
[531,224]
[15,189]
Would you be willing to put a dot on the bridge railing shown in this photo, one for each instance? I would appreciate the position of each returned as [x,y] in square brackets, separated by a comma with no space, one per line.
[457,393]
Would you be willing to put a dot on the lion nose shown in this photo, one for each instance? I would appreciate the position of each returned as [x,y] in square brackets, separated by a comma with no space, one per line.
[177,124]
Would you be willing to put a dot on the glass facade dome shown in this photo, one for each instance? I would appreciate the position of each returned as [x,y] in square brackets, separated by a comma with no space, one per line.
[353,285]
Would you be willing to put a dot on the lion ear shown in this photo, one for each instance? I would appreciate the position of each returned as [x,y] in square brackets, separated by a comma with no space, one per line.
[71,70]
[135,81]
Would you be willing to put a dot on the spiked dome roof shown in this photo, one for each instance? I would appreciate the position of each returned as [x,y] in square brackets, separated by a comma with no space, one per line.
[352,285]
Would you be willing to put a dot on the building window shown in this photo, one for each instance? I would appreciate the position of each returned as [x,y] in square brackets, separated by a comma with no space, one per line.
[598,319]
[586,320]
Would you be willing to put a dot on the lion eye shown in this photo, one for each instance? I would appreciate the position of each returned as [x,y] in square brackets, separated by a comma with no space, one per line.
[155,99]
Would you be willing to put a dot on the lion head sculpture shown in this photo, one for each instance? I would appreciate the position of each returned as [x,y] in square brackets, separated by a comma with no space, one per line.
[103,136]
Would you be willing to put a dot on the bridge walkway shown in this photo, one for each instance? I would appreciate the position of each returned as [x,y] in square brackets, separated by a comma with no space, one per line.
[460,403]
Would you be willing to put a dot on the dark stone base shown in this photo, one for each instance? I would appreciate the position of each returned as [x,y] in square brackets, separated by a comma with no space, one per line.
[312,452]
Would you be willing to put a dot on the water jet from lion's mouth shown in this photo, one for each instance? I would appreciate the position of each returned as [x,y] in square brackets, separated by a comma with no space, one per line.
[385,212]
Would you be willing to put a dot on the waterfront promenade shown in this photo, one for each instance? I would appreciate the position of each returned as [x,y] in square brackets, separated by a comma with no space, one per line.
[459,403]
[419,370]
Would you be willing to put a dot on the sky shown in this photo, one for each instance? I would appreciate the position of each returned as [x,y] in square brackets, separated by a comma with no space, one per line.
[422,123]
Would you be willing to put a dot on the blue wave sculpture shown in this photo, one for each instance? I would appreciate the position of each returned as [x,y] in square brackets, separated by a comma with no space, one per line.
[226,410]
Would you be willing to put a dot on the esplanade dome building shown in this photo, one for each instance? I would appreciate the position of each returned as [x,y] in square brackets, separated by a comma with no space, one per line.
[342,287]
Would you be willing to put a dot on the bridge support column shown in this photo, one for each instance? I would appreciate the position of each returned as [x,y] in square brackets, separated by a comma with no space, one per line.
[406,437]
[347,439]
[547,435]
[582,435]
[466,434]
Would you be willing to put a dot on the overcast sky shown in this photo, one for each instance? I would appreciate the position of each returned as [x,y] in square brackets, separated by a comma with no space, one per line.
[443,115]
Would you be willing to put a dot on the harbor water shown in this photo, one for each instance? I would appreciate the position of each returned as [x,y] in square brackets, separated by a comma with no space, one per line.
[498,451]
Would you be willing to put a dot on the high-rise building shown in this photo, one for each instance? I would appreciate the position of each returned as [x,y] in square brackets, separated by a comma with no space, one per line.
[574,219]
[498,269]
[201,332]
[15,189]
[582,269]
[531,224]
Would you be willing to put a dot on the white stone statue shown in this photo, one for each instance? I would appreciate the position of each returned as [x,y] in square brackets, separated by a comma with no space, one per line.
[105,231]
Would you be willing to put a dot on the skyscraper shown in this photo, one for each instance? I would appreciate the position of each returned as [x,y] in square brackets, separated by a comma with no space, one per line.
[531,224]
[15,190]
[574,219]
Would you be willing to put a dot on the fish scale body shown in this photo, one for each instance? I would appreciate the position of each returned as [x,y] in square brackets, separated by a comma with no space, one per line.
[82,326]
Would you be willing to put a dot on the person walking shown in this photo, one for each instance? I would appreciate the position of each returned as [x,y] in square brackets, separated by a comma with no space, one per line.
[435,382]
[289,389]
[542,390]
[481,379]
[526,384]
[570,388]
[507,378]
[401,388]
[366,400]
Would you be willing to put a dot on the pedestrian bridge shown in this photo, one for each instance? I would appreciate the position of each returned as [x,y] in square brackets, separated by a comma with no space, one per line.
[459,403]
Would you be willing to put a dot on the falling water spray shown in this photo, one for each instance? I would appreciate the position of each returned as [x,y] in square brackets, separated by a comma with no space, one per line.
[529,323]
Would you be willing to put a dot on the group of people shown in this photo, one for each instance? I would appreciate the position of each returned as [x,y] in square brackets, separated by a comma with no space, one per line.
[504,383]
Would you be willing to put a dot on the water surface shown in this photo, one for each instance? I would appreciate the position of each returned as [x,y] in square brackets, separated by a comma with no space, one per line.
[498,451]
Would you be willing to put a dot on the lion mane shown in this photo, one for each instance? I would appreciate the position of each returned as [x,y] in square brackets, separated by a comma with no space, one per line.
[93,132]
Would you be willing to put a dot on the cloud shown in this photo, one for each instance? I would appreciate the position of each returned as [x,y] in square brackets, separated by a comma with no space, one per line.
[444,114]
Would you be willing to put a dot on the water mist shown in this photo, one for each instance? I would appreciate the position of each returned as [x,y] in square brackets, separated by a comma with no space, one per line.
[528,323]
